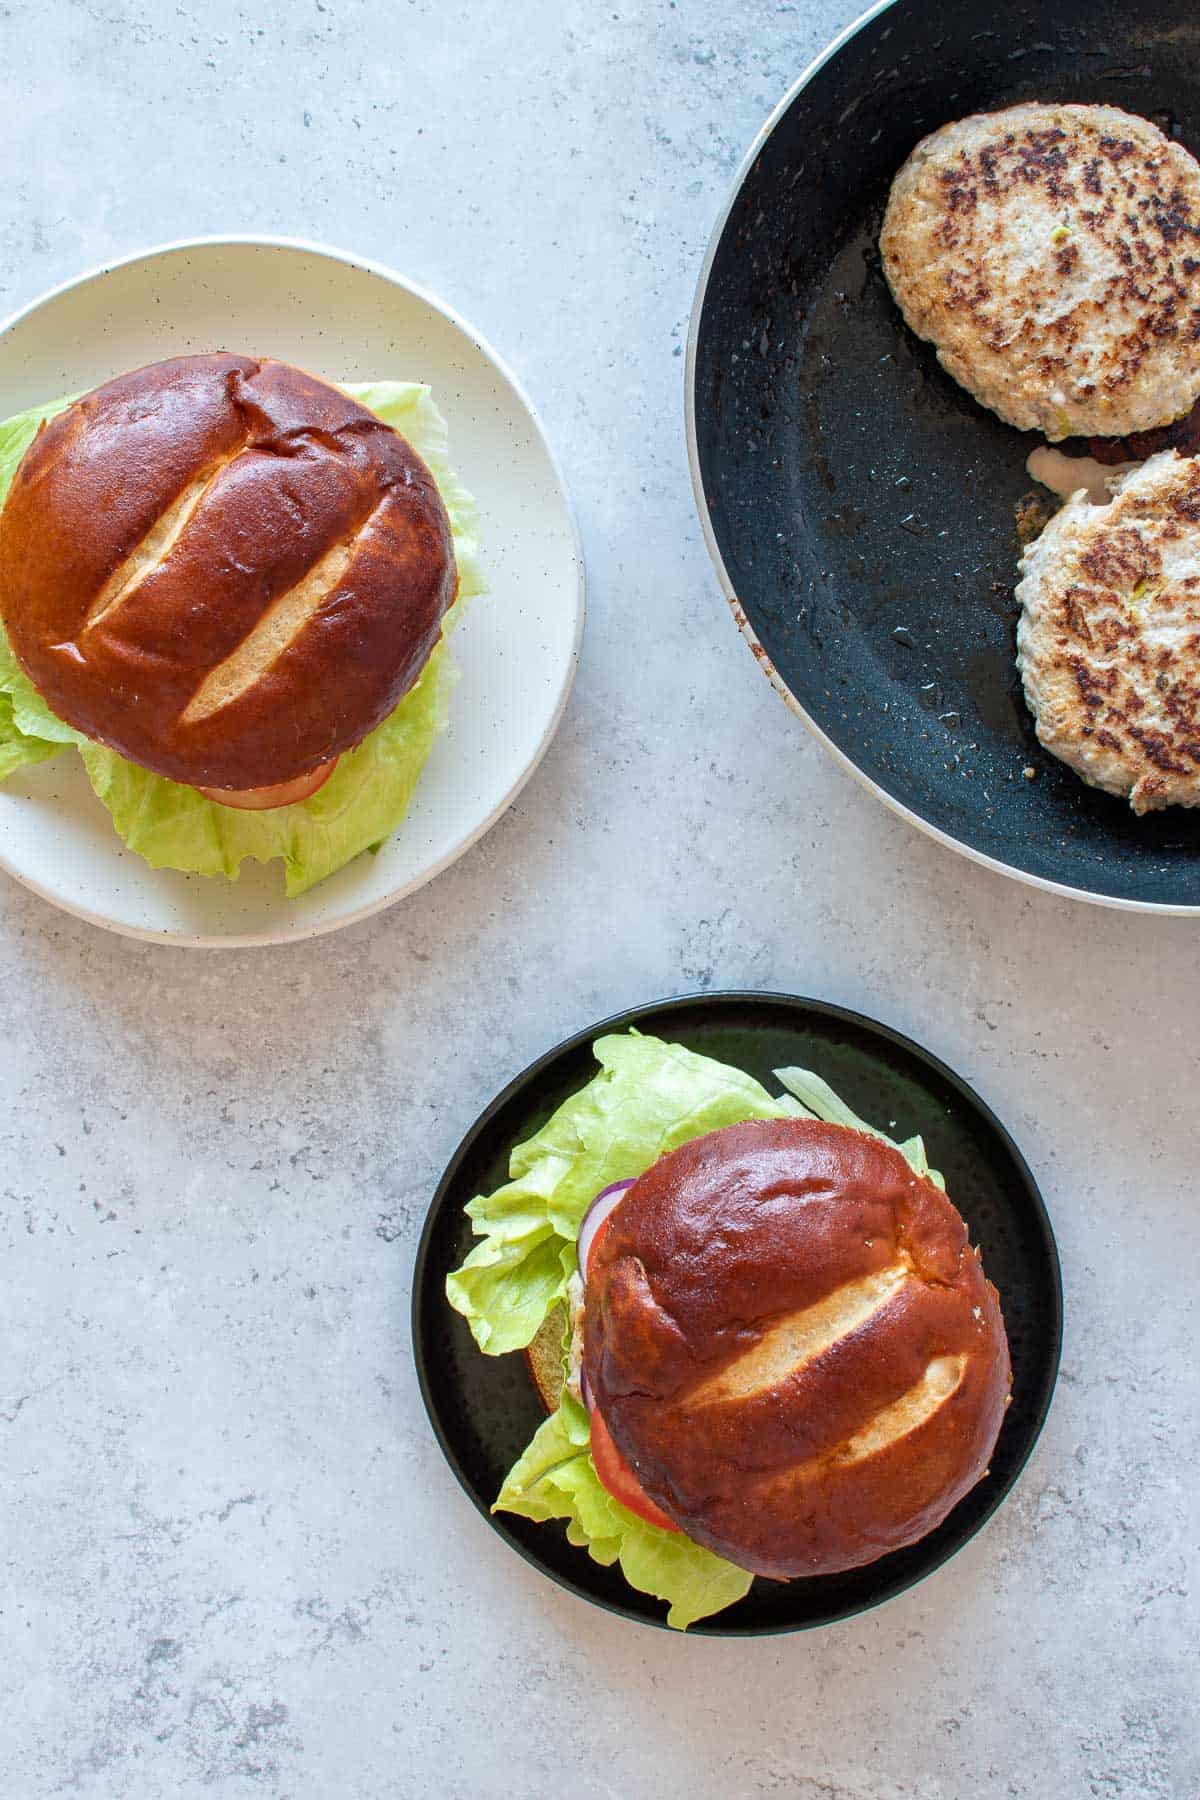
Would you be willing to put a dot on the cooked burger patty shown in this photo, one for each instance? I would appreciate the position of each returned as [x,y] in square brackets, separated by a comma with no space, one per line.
[1052,255]
[1108,643]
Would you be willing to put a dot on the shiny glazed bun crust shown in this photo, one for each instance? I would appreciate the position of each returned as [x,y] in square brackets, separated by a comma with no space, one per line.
[225,569]
[794,1346]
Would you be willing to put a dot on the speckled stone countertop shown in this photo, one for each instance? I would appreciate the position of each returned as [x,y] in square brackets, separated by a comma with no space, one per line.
[234,1562]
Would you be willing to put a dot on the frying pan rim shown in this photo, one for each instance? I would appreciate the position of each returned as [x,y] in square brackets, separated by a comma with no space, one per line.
[1115,902]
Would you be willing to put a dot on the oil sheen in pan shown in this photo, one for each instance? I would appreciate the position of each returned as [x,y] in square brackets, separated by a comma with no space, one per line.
[880,510]
[860,505]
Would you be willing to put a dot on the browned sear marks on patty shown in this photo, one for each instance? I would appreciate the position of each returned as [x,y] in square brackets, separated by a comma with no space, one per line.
[1052,254]
[1109,638]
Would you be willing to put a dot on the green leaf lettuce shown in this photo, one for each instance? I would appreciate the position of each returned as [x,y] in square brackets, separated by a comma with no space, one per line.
[555,1479]
[368,794]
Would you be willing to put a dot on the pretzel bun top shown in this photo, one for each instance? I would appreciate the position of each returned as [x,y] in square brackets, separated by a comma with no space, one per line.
[794,1346]
[225,569]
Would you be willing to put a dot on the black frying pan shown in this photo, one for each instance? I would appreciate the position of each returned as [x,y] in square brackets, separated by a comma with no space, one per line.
[858,504]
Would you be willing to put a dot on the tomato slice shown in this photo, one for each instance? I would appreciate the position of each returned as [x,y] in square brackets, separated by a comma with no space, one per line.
[284,793]
[614,1472]
[619,1479]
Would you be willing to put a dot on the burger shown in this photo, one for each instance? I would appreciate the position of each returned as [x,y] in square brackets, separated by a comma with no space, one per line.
[789,1350]
[778,1354]
[226,575]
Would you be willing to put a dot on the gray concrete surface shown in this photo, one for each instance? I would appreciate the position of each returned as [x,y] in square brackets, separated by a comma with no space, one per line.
[233,1560]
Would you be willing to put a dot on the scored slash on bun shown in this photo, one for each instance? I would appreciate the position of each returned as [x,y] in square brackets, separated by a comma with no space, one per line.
[794,1346]
[225,569]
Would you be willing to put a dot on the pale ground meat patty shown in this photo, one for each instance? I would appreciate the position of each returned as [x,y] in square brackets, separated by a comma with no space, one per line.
[1108,643]
[1052,255]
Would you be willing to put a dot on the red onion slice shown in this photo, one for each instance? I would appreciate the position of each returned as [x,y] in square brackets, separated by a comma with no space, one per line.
[593,1219]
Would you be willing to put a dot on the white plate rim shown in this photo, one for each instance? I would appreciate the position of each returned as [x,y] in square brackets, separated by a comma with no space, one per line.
[1113,901]
[303,933]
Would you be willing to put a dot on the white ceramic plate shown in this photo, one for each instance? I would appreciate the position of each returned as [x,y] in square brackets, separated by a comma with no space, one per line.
[516,647]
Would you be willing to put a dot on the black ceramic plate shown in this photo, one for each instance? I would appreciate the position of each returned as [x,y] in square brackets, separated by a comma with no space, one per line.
[858,504]
[484,1409]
